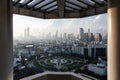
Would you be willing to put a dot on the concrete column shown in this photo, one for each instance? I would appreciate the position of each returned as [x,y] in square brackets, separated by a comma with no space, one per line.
[6,40]
[114,40]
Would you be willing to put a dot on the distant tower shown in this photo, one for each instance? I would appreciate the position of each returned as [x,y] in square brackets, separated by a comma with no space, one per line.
[49,35]
[61,36]
[78,36]
[69,37]
[56,35]
[65,36]
[88,30]
[81,33]
[27,33]
[98,37]
[90,36]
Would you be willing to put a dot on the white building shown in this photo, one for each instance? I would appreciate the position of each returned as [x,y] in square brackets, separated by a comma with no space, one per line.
[78,50]
[99,69]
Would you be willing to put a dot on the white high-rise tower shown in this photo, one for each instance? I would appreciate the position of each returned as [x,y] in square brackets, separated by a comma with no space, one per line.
[27,33]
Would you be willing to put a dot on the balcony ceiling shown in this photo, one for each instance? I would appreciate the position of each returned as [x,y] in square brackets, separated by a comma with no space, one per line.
[50,9]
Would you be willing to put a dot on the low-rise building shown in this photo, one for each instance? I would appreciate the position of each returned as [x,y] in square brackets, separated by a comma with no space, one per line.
[99,69]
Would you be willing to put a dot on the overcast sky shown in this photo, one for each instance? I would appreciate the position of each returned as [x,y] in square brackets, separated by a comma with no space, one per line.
[39,26]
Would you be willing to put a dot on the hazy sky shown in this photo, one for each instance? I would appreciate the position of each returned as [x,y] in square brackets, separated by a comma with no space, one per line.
[39,26]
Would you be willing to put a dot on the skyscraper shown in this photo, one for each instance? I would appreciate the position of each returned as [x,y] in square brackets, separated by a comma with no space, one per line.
[81,33]
[27,33]
[90,36]
[98,37]
[61,36]
[56,35]
[65,36]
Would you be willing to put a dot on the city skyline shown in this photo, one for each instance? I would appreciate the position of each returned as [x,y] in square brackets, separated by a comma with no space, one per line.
[40,26]
[82,36]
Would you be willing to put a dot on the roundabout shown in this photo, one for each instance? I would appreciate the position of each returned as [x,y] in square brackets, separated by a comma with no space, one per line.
[59,63]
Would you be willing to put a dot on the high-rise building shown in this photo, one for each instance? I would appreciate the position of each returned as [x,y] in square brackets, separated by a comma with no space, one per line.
[27,33]
[98,37]
[61,36]
[65,36]
[78,37]
[90,36]
[81,33]
[56,34]
[48,36]
[85,37]
[72,36]
[69,36]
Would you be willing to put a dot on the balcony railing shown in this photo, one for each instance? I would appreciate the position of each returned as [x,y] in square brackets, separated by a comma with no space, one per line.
[59,76]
